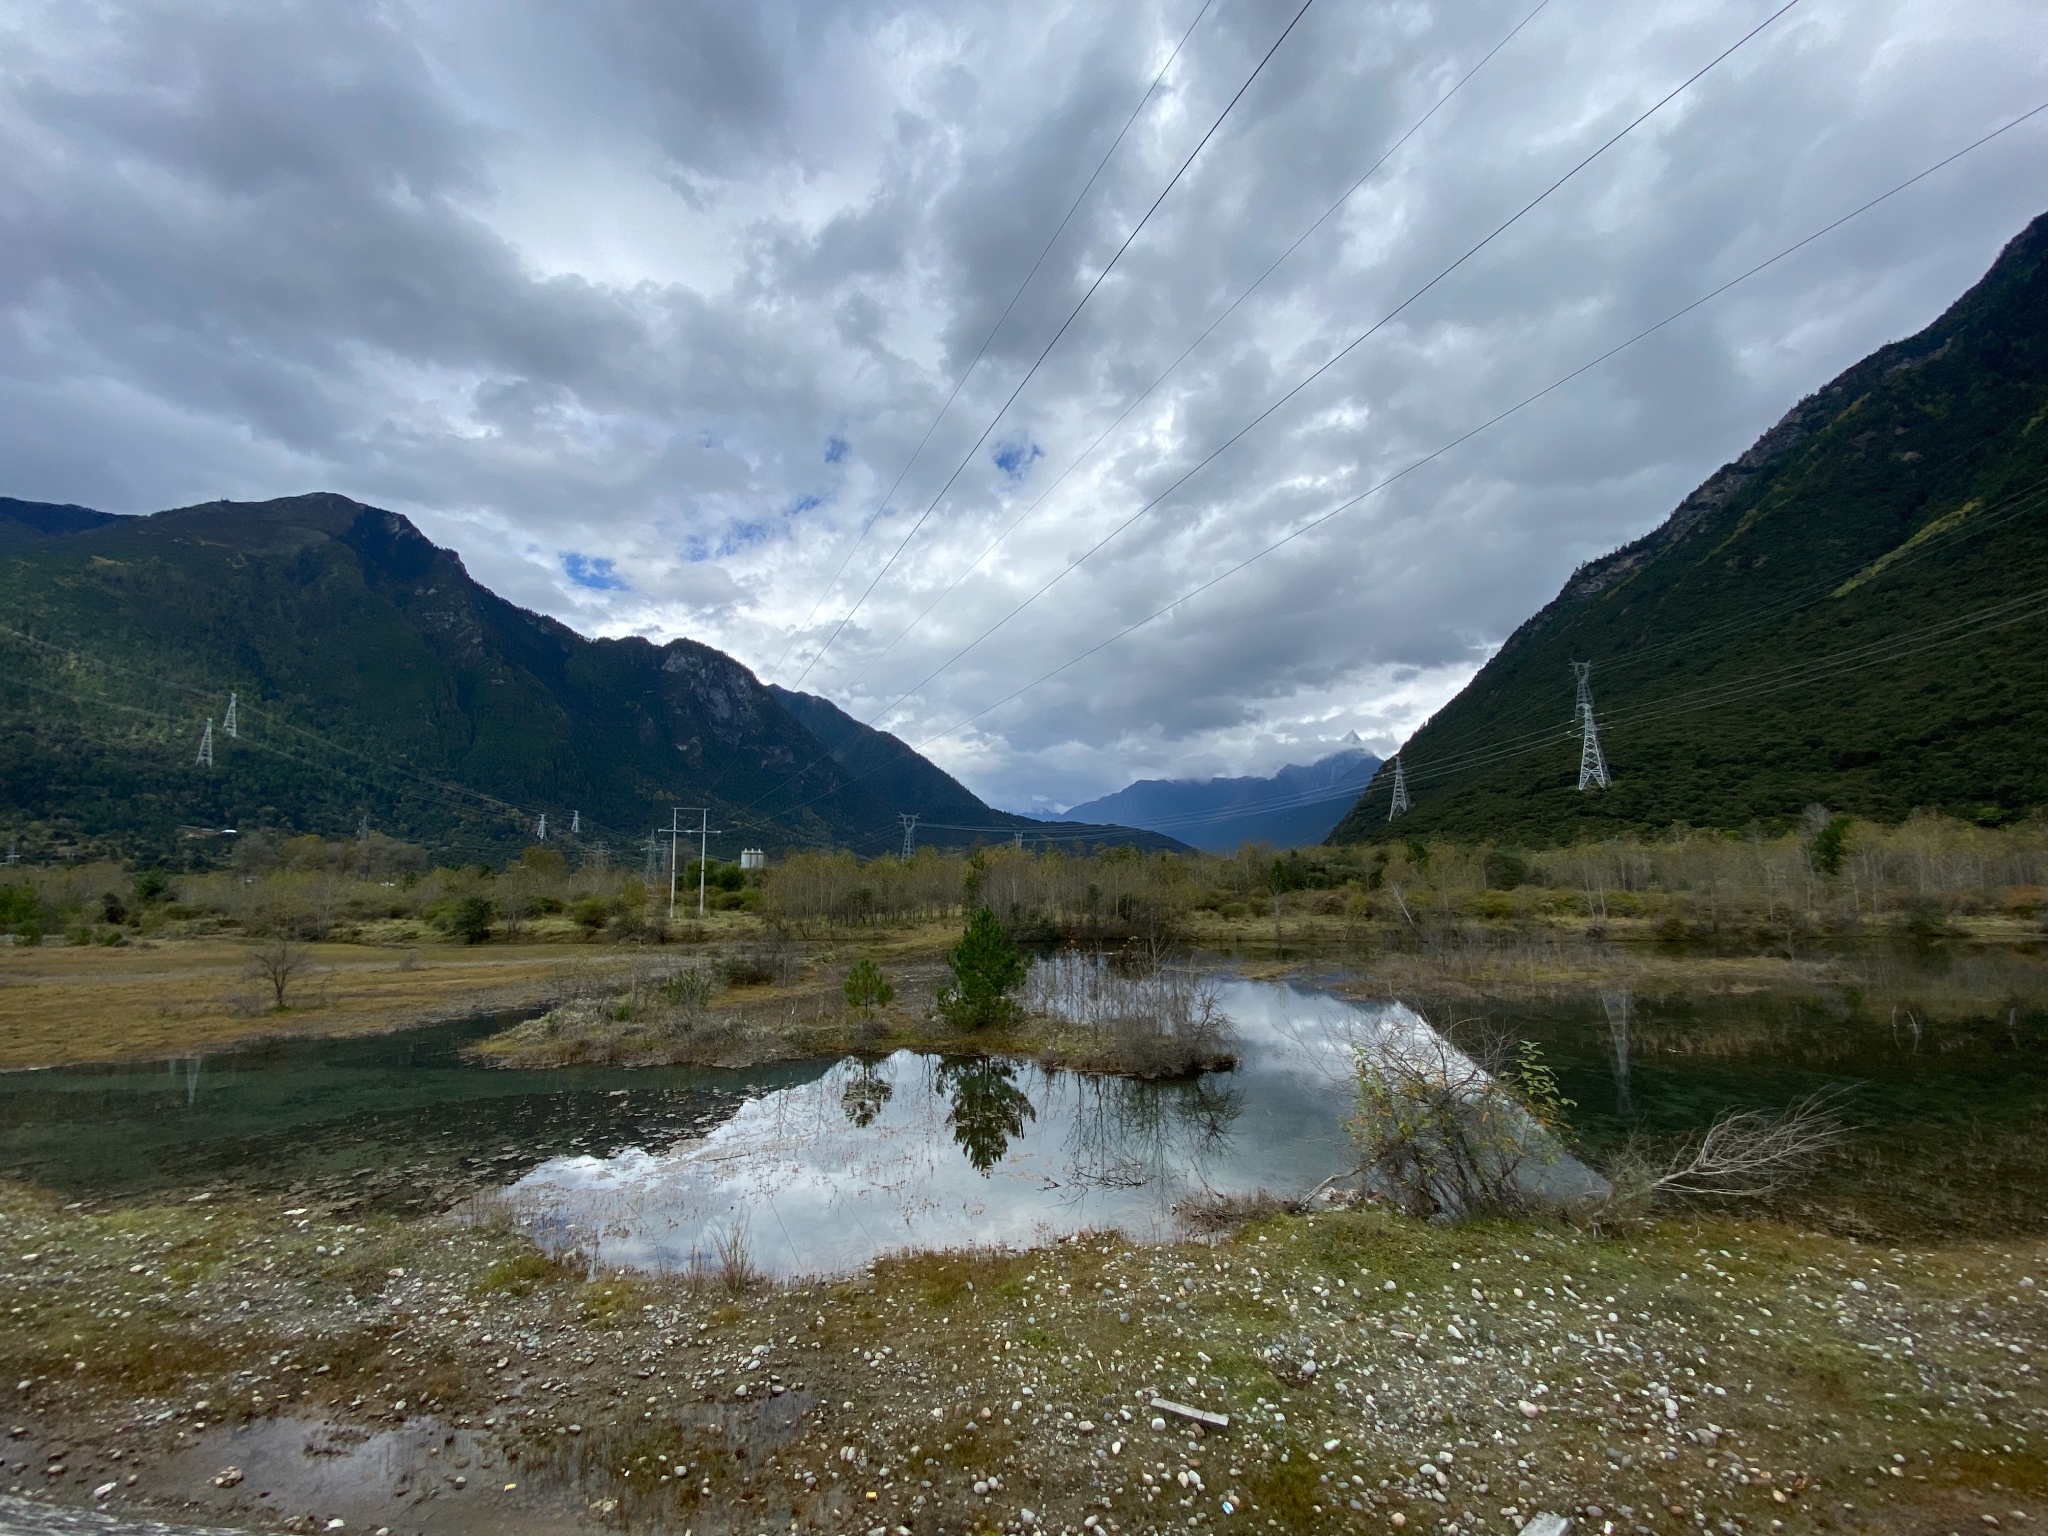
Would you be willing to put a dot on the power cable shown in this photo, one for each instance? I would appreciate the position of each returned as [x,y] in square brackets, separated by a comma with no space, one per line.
[1432,456]
[989,339]
[1483,426]
[1172,367]
[1387,319]
[874,721]
[1032,372]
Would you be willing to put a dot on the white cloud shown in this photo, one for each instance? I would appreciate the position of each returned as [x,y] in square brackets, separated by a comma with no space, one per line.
[612,281]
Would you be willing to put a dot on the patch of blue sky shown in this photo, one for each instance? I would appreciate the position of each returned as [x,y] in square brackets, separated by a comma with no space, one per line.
[744,536]
[594,572]
[1014,456]
[836,449]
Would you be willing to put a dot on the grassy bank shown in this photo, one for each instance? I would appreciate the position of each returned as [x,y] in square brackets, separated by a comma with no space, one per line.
[1680,1375]
[184,997]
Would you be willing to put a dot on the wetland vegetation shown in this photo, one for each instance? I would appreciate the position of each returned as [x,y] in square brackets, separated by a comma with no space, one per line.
[251,1218]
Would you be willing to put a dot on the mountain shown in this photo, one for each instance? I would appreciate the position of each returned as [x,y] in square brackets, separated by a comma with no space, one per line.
[374,680]
[1294,807]
[895,773]
[1850,614]
[33,522]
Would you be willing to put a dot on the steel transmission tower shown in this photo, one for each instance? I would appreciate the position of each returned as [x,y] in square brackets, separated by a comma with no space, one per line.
[540,833]
[575,823]
[205,758]
[1400,801]
[909,835]
[228,723]
[1592,765]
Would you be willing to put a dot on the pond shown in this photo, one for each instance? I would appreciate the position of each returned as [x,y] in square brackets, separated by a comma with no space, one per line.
[1947,1114]
[398,1122]
[922,1152]
[823,1164]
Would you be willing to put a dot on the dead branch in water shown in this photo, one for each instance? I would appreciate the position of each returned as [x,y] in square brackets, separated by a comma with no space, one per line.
[1751,1153]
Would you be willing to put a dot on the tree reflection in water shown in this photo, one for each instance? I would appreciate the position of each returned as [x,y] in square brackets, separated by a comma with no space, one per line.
[866,1091]
[988,1108]
[1125,1133]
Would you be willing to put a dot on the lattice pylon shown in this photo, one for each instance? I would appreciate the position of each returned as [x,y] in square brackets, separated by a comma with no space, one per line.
[1592,764]
[1400,800]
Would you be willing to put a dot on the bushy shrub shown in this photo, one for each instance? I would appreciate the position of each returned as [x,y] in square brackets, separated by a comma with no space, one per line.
[21,911]
[1505,870]
[470,919]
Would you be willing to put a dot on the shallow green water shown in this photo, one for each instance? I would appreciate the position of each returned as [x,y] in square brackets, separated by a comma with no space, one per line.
[402,1119]
[1948,1119]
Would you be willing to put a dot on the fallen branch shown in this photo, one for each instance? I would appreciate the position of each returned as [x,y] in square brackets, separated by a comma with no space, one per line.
[1749,1153]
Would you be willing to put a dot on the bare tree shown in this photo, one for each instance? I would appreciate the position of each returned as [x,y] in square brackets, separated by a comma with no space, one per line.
[278,965]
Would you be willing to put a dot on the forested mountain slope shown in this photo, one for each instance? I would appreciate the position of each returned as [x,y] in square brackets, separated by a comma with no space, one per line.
[1851,614]
[375,680]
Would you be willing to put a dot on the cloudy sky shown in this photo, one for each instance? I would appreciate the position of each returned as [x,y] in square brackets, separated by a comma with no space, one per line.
[644,306]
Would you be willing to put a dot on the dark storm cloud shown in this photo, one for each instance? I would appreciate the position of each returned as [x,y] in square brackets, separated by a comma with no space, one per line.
[645,307]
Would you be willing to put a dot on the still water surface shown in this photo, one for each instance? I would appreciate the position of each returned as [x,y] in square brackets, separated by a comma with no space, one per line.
[924,1152]
[1950,1119]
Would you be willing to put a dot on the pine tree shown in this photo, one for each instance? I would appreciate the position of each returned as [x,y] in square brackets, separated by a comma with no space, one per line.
[987,966]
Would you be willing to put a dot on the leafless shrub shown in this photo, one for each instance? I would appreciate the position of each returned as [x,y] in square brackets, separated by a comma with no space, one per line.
[1146,1017]
[1212,1211]
[1436,1130]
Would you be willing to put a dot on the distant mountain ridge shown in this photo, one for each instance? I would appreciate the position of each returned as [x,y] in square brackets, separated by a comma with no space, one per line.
[890,769]
[1850,614]
[1294,807]
[375,682]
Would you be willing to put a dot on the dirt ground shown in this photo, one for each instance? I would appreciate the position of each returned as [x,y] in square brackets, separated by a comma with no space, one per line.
[276,1366]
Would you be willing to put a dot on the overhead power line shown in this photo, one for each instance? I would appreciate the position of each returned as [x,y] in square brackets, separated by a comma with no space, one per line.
[1338,356]
[1445,272]
[989,340]
[1232,308]
[1490,422]
[1470,433]
[1046,351]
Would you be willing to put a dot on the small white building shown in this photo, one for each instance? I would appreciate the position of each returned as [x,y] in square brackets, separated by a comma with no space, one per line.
[753,858]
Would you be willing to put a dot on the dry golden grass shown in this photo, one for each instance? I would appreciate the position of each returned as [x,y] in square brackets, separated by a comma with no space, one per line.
[90,1003]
